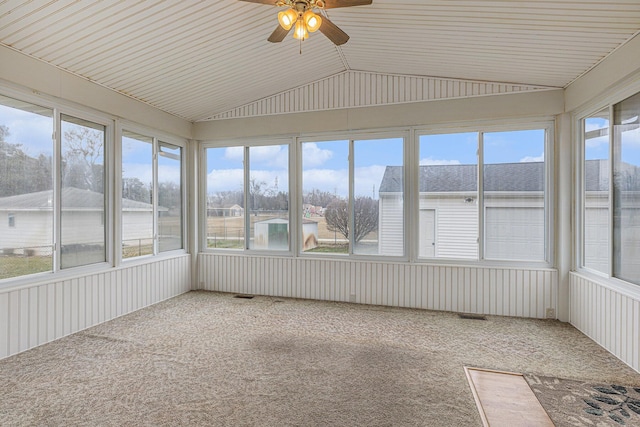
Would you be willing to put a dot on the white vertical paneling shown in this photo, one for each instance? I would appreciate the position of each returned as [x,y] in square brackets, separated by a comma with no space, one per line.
[609,317]
[500,291]
[360,88]
[36,315]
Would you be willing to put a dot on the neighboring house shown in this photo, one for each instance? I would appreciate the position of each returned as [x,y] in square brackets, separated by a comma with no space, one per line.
[26,220]
[514,214]
[228,210]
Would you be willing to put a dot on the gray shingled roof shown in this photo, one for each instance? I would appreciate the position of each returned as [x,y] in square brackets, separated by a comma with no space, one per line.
[74,199]
[497,177]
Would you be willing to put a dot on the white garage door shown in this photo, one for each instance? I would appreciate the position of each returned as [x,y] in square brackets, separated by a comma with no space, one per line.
[514,233]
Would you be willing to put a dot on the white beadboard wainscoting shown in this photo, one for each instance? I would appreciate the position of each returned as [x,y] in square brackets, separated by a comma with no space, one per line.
[469,289]
[31,316]
[609,317]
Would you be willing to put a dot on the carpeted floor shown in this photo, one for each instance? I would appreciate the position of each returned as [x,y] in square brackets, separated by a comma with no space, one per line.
[210,359]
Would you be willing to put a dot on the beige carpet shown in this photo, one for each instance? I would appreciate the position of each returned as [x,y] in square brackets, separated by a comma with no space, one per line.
[211,359]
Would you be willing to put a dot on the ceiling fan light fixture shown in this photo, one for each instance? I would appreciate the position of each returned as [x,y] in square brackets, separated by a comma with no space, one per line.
[287,18]
[300,31]
[312,21]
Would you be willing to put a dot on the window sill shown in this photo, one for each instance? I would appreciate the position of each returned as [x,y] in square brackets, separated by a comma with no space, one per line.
[620,286]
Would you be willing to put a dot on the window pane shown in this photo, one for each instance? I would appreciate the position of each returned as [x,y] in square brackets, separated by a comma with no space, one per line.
[378,202]
[626,184]
[225,197]
[325,195]
[169,197]
[514,203]
[596,192]
[26,196]
[269,197]
[137,189]
[82,199]
[448,203]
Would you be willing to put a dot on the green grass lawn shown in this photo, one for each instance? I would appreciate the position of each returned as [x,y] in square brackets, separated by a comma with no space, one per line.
[14,266]
[226,244]
[330,249]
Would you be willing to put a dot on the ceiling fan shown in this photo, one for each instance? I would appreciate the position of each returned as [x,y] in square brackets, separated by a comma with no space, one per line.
[304,20]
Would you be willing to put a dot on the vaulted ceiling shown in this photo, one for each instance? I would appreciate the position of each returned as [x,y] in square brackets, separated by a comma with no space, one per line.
[201,59]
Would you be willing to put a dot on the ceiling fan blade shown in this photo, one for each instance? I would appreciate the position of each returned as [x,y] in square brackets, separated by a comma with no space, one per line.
[332,4]
[269,2]
[278,35]
[333,33]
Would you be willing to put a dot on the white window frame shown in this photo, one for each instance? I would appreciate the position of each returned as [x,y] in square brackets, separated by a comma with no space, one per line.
[541,123]
[618,94]
[247,143]
[351,137]
[157,138]
[59,108]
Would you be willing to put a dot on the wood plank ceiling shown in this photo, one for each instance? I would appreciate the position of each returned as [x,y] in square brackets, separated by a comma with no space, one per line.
[197,59]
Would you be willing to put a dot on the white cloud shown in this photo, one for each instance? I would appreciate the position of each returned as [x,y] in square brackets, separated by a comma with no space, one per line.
[432,161]
[590,126]
[529,159]
[269,155]
[269,178]
[142,171]
[31,130]
[169,174]
[234,153]
[225,180]
[313,156]
[368,179]
[326,180]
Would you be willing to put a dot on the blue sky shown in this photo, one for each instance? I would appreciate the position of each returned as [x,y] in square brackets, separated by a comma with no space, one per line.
[31,130]
[598,148]
[325,164]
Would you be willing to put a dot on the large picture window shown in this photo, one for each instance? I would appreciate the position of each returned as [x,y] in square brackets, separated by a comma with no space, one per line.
[506,220]
[26,188]
[353,206]
[247,197]
[82,198]
[150,227]
[595,177]
[514,182]
[169,212]
[448,196]
[137,195]
[268,197]
[626,190]
[325,197]
[51,189]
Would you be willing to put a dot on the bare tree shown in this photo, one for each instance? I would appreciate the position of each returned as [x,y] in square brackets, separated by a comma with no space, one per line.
[83,159]
[365,212]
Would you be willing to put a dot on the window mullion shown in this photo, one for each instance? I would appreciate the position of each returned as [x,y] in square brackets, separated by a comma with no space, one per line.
[247,198]
[612,161]
[480,195]
[350,203]
[57,188]
[154,197]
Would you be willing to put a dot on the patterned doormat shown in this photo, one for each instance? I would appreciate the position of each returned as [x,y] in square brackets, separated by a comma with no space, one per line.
[578,403]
